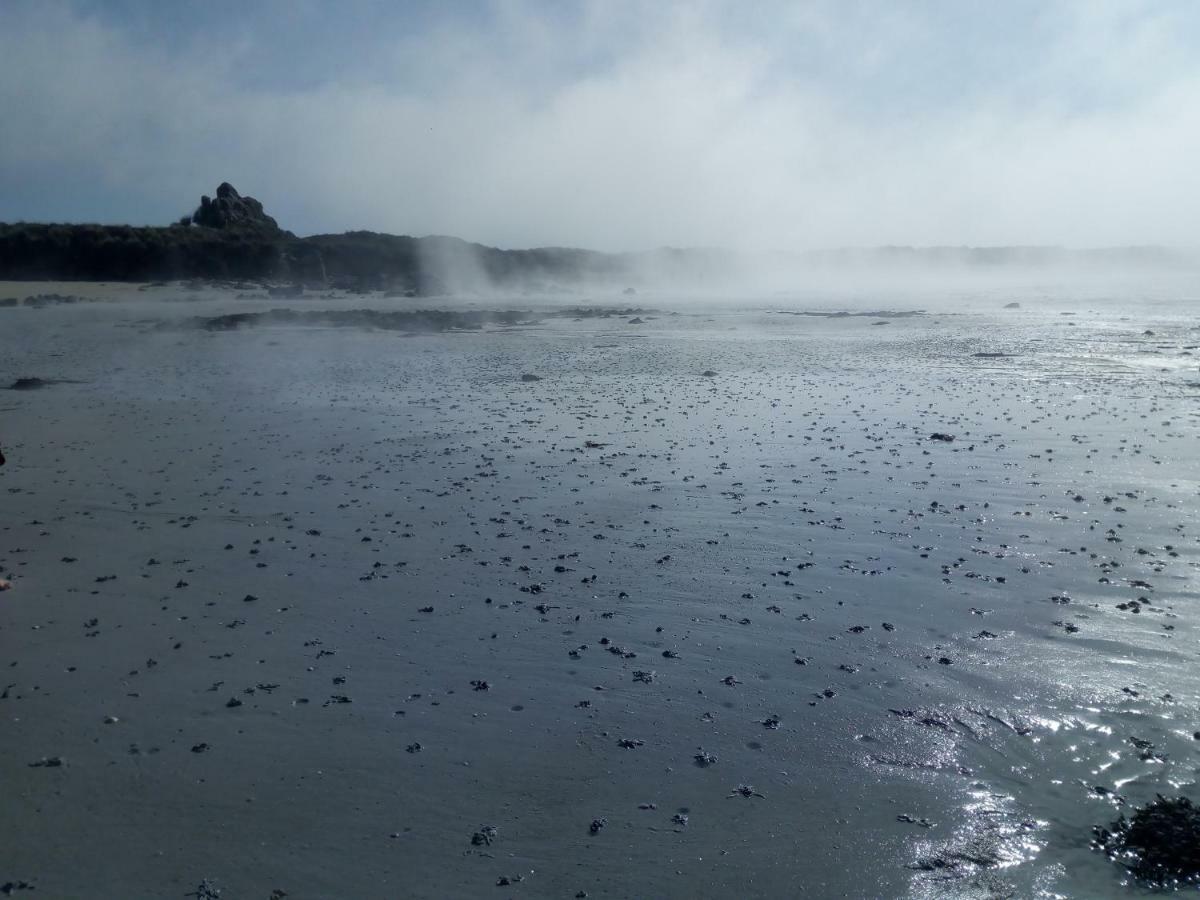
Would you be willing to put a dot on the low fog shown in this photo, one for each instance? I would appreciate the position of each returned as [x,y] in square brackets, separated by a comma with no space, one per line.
[455,267]
[769,131]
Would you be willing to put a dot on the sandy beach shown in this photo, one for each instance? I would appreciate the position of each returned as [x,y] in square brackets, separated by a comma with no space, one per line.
[679,600]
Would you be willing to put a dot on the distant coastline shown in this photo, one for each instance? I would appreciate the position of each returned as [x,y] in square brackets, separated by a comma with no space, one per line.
[229,237]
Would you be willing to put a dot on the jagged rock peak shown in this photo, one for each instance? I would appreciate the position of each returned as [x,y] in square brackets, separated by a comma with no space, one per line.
[230,210]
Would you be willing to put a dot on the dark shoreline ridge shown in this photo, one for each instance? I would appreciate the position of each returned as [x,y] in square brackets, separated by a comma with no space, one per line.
[230,236]
[407,320]
[417,320]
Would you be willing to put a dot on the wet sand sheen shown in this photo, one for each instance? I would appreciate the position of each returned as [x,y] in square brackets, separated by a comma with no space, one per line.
[702,609]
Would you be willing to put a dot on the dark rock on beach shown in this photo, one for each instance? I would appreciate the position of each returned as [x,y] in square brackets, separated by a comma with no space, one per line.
[1159,844]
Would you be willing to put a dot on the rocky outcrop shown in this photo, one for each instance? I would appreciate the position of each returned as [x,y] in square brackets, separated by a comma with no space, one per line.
[229,210]
[231,237]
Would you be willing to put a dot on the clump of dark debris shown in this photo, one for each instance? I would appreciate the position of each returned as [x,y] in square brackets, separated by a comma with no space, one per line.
[28,384]
[1159,845]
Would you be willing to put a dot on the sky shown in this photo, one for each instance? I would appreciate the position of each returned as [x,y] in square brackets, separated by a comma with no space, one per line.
[615,125]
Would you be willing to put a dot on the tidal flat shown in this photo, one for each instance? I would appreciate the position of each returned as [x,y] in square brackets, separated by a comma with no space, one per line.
[579,597]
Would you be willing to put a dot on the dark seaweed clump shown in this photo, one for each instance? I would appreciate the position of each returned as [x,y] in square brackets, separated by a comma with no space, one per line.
[1160,844]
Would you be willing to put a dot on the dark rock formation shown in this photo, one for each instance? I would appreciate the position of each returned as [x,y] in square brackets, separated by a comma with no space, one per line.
[231,211]
[1160,844]
[28,384]
[231,238]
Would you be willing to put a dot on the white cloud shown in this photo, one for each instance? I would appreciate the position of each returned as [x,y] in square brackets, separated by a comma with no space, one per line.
[631,127]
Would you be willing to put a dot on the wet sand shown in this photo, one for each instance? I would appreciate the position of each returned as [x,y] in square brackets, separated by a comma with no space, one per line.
[703,609]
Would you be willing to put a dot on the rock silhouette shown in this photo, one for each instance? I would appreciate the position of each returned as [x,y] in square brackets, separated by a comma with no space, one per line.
[232,212]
